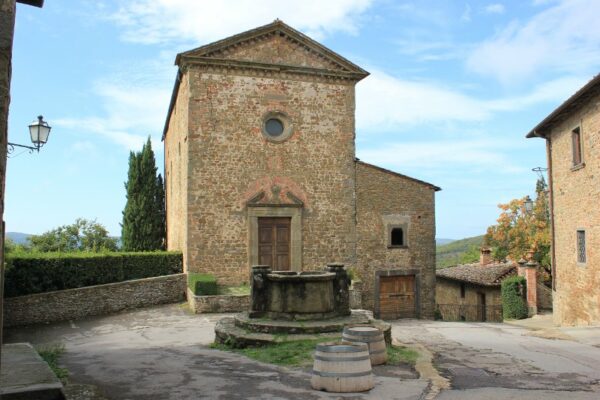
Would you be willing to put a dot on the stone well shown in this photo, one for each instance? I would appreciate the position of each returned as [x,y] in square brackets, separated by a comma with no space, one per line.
[290,306]
[308,295]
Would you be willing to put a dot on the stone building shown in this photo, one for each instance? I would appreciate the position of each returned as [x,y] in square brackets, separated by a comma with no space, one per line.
[572,134]
[471,292]
[260,168]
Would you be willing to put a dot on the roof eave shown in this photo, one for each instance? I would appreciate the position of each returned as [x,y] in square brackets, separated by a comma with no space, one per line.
[276,26]
[541,130]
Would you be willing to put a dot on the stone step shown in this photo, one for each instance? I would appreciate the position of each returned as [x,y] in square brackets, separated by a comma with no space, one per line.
[264,325]
[226,332]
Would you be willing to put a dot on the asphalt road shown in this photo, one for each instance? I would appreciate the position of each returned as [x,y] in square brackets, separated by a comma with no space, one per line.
[162,353]
[501,361]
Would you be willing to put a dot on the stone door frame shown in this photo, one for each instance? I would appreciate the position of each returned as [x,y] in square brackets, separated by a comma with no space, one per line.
[398,272]
[292,211]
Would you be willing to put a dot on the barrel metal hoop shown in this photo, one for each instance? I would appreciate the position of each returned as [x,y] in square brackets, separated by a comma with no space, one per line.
[373,332]
[378,351]
[341,374]
[363,340]
[336,359]
[344,348]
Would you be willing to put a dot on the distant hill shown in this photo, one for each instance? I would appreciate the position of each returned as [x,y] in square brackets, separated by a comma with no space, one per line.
[18,237]
[456,252]
[441,241]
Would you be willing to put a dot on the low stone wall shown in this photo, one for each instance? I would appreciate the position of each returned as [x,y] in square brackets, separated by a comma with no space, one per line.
[83,302]
[218,303]
[355,299]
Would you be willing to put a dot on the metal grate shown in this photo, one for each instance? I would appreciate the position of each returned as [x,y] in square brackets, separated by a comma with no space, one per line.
[581,246]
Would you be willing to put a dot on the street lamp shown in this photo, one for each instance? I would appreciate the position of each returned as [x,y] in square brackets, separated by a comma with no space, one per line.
[528,205]
[39,131]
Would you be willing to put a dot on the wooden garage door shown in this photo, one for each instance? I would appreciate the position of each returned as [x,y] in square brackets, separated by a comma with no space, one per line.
[274,243]
[397,297]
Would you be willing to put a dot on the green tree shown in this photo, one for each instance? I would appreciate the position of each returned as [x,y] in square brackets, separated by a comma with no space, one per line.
[143,226]
[518,232]
[83,235]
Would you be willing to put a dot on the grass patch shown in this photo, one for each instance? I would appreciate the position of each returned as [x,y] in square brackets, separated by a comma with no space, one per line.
[297,353]
[52,354]
[401,355]
[234,290]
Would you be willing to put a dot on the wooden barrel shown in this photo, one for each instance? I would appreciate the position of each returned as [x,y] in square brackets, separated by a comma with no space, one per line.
[369,335]
[342,368]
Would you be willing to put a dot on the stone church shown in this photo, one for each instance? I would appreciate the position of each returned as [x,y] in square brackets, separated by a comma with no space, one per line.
[260,168]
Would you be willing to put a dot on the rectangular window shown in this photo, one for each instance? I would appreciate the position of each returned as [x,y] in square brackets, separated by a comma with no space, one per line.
[462,290]
[581,247]
[577,153]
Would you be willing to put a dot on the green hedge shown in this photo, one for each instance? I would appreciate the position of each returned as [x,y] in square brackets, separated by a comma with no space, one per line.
[46,272]
[202,284]
[514,290]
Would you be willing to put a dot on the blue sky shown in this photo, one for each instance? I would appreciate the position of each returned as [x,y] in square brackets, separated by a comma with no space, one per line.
[454,88]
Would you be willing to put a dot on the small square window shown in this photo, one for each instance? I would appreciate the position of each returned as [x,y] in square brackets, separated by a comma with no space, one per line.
[581,247]
[577,150]
[397,236]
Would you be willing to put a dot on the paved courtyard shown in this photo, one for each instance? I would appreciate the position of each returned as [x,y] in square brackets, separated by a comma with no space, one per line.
[162,353]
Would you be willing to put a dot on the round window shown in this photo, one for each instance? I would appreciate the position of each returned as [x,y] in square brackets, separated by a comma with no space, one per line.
[274,127]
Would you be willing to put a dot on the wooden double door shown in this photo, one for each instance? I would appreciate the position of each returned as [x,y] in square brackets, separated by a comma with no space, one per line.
[397,297]
[274,243]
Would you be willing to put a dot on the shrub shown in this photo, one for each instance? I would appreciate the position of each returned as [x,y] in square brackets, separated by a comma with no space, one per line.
[202,284]
[28,273]
[513,298]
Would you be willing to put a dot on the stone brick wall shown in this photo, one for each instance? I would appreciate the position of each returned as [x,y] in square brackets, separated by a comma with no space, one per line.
[93,300]
[576,195]
[448,295]
[176,172]
[230,161]
[385,198]
[7,25]
[218,303]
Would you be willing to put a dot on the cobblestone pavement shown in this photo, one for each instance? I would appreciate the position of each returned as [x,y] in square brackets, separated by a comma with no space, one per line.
[497,361]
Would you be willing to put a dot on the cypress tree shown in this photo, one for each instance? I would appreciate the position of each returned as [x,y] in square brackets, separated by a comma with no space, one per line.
[143,216]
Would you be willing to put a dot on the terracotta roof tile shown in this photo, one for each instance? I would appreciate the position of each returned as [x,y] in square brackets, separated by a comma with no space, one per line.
[488,275]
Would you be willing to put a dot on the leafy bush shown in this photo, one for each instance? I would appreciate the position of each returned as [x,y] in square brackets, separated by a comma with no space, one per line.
[202,284]
[83,235]
[28,273]
[514,305]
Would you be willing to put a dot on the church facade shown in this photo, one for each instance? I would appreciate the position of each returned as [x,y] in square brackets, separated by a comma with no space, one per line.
[260,168]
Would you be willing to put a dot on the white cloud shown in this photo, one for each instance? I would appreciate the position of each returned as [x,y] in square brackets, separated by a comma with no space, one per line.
[473,153]
[164,21]
[563,38]
[495,8]
[130,112]
[466,15]
[384,101]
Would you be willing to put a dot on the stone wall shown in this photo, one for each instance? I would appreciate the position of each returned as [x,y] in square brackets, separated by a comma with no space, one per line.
[387,199]
[218,303]
[576,195]
[452,306]
[176,173]
[93,300]
[230,162]
[7,25]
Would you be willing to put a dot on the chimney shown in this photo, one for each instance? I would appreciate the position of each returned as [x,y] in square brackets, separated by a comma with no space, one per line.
[485,257]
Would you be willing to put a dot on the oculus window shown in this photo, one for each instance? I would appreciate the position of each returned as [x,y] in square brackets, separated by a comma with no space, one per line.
[276,126]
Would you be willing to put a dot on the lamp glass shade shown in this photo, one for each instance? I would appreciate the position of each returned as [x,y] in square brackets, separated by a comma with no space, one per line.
[528,205]
[39,132]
